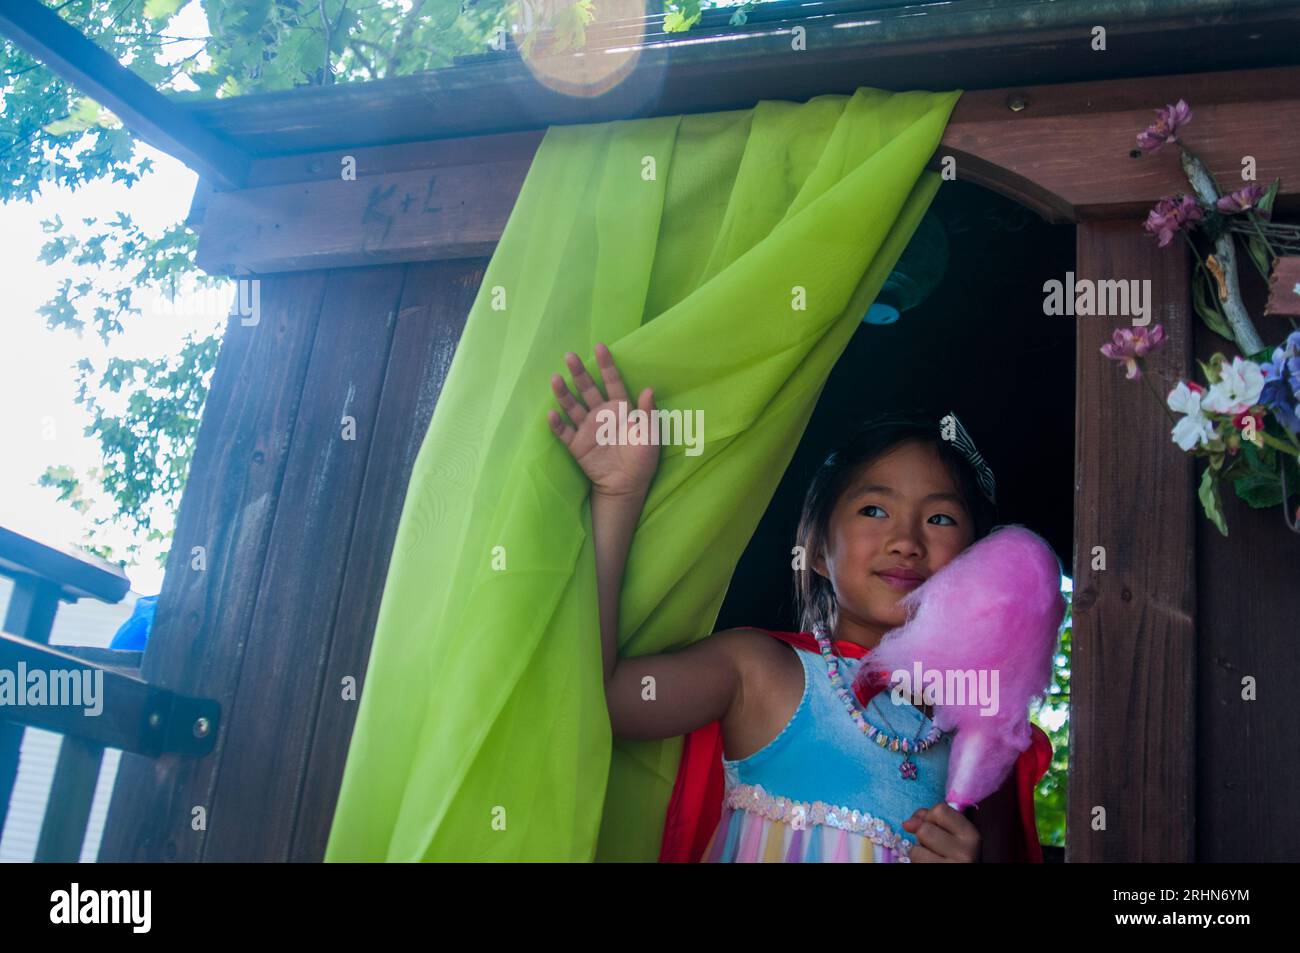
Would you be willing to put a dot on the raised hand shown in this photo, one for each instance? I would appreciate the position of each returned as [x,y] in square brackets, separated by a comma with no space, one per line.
[614,468]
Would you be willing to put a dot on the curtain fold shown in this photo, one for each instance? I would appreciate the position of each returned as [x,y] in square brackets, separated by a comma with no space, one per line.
[726,258]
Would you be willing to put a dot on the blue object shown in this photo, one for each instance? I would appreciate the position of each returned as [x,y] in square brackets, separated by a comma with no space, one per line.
[920,268]
[134,632]
[881,313]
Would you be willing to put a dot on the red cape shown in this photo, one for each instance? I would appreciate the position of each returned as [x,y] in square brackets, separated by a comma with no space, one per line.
[696,803]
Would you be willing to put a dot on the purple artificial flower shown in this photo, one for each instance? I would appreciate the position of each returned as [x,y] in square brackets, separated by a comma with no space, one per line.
[1281,390]
[1171,215]
[1242,200]
[1130,344]
[1165,128]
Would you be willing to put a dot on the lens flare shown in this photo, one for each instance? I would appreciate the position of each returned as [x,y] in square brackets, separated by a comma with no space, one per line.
[575,58]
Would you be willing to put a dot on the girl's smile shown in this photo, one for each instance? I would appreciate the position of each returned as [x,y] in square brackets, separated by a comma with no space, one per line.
[902,579]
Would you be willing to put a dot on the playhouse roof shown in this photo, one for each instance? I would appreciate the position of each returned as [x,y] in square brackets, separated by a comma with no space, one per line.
[891,44]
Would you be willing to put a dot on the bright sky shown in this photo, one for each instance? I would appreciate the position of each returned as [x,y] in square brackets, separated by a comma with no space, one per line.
[42,425]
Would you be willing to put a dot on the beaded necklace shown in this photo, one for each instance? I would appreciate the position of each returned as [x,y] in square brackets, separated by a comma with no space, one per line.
[892,742]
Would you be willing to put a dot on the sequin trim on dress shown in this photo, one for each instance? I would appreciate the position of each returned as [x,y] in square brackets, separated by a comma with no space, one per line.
[752,798]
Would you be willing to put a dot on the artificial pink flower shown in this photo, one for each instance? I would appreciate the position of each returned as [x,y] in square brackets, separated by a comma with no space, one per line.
[1165,128]
[1242,200]
[1192,385]
[1170,215]
[1131,344]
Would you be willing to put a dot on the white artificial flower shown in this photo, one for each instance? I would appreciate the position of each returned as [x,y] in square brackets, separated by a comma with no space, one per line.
[1195,427]
[1237,390]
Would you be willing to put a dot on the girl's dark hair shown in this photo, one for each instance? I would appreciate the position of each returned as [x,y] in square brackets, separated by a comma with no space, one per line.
[814,596]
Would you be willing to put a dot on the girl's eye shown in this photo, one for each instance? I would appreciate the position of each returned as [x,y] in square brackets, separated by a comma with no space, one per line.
[943,516]
[866,510]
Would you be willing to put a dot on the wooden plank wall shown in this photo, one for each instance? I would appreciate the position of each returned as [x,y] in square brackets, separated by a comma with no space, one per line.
[1248,623]
[297,523]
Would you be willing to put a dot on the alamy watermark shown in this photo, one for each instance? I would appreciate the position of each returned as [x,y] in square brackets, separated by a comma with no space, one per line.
[56,688]
[129,907]
[657,427]
[239,299]
[1114,297]
[946,687]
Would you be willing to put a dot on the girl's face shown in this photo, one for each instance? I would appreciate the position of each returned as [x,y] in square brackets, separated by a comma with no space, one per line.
[900,519]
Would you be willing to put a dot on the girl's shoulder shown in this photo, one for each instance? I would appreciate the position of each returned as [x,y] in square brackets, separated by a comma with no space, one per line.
[756,650]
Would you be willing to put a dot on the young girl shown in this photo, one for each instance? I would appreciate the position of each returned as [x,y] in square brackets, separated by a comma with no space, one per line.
[810,774]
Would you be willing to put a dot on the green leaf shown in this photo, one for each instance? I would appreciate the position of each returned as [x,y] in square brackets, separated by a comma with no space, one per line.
[85,114]
[741,16]
[1258,491]
[679,21]
[1266,203]
[1259,254]
[246,17]
[1208,371]
[1210,502]
[1207,306]
[161,9]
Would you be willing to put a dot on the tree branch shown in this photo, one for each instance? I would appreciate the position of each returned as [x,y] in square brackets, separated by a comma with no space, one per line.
[1234,310]
[403,37]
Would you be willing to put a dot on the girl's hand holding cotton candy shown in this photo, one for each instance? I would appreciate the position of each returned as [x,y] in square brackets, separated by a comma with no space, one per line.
[993,613]
[942,836]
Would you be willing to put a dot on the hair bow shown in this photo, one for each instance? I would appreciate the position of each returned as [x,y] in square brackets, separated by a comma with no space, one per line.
[951,430]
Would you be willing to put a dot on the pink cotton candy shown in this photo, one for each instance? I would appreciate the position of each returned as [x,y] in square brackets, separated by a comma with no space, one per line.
[998,608]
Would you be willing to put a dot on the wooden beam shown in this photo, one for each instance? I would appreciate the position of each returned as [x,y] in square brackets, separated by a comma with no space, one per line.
[432,213]
[150,115]
[71,574]
[1133,679]
[1065,155]
[1066,151]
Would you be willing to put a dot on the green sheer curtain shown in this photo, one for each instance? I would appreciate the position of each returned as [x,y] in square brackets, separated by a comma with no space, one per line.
[726,258]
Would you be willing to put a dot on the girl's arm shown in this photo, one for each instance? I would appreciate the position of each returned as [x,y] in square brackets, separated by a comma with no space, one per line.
[657,696]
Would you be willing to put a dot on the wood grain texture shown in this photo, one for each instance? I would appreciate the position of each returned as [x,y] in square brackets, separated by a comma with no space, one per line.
[1283,285]
[270,721]
[202,623]
[72,793]
[436,300]
[435,212]
[1248,615]
[1133,673]
[1066,155]
[298,607]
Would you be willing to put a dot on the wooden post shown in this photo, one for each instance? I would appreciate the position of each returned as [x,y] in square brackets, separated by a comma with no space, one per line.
[1132,718]
[72,793]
